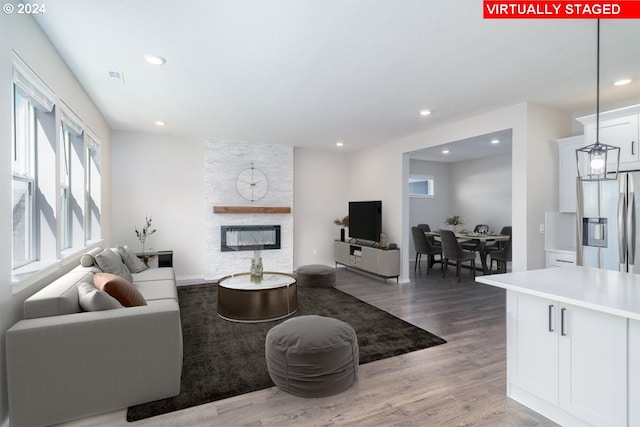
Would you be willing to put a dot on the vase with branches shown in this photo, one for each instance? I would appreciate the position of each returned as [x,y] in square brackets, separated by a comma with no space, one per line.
[343,223]
[145,232]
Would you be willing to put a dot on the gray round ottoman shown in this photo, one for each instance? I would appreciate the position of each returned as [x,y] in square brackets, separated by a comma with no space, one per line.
[315,275]
[312,356]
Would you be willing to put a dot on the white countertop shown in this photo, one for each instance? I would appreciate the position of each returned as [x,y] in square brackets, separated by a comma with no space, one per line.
[602,290]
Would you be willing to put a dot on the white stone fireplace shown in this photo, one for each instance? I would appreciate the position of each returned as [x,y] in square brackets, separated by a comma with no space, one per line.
[224,160]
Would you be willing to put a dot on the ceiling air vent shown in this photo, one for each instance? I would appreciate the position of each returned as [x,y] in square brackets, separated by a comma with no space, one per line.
[116,76]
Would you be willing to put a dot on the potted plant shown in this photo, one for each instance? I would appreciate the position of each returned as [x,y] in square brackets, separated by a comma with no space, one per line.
[344,222]
[453,222]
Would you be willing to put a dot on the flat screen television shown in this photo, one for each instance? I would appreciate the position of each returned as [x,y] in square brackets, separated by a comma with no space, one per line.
[365,220]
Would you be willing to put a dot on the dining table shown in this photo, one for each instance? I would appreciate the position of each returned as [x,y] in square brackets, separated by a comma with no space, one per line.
[480,238]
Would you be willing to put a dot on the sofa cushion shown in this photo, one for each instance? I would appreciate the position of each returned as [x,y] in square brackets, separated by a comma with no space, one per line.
[130,259]
[154,274]
[119,288]
[59,297]
[110,261]
[159,289]
[88,259]
[93,299]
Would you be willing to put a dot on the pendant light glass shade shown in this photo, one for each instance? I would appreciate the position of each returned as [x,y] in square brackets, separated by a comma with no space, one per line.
[598,162]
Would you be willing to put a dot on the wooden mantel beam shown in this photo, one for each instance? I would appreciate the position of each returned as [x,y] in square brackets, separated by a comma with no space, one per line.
[251,209]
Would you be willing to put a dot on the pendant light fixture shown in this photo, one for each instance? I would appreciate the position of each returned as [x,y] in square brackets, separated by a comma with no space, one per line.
[598,162]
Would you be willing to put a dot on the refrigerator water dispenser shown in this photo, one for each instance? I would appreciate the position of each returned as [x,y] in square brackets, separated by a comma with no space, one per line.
[594,232]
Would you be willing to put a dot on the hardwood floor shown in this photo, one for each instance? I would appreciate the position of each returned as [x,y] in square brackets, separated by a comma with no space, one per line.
[461,383]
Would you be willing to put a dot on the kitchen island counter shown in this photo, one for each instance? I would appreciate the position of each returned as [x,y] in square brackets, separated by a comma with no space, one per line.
[573,343]
[606,291]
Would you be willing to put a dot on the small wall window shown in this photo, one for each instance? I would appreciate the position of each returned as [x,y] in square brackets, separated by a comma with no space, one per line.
[421,186]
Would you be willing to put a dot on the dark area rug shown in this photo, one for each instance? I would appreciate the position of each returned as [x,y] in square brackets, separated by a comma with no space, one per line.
[224,359]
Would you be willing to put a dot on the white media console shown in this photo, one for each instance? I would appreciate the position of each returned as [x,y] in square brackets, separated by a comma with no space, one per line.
[381,262]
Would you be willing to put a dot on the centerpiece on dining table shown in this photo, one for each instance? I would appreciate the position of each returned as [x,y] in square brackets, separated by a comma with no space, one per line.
[454,221]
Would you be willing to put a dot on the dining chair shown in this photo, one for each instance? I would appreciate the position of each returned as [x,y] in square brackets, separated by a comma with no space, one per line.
[431,239]
[495,246]
[475,246]
[451,250]
[422,246]
[503,255]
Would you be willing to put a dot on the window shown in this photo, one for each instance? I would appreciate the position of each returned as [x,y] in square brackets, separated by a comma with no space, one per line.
[421,186]
[65,191]
[56,180]
[23,181]
[72,176]
[29,144]
[93,187]
[33,169]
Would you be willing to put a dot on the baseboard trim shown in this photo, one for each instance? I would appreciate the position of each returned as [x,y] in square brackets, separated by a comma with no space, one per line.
[5,423]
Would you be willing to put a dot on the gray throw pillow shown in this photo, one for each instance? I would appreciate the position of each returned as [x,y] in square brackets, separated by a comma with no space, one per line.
[130,259]
[110,261]
[93,299]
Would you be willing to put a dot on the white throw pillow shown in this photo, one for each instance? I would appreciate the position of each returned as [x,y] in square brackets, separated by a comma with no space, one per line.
[93,299]
[110,261]
[130,259]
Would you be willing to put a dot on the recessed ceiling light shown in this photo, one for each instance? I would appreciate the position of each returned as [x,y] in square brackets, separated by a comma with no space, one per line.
[495,141]
[622,82]
[425,113]
[339,144]
[155,59]
[445,151]
[160,123]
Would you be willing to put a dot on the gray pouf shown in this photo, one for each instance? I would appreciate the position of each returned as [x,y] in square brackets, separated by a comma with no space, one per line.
[312,356]
[315,275]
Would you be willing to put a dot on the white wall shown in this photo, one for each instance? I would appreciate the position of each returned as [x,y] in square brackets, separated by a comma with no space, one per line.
[544,126]
[481,191]
[21,33]
[321,194]
[161,177]
[427,210]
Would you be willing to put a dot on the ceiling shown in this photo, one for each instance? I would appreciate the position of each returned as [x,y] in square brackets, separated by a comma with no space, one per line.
[468,149]
[310,73]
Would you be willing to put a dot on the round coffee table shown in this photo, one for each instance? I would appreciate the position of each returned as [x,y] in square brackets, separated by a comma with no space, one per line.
[242,300]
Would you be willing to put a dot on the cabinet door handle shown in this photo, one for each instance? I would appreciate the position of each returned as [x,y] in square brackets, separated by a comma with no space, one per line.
[633,148]
[550,317]
[562,310]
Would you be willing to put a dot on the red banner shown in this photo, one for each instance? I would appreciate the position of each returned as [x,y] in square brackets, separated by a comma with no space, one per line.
[625,9]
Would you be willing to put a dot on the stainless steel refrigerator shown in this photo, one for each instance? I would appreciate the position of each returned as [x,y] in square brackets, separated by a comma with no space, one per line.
[607,230]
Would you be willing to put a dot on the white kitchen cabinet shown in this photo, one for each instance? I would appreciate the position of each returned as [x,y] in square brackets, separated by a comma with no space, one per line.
[561,258]
[532,348]
[593,365]
[567,362]
[634,373]
[619,128]
[568,172]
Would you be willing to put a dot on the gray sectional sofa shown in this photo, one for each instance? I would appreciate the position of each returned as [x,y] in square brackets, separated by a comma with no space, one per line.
[65,363]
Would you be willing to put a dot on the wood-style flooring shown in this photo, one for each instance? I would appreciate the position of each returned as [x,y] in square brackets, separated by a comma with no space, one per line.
[461,383]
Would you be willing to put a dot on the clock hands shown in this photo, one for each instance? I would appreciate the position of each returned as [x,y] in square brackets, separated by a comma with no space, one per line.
[252,184]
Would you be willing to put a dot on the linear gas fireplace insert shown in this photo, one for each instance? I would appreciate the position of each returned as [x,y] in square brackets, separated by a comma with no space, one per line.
[249,237]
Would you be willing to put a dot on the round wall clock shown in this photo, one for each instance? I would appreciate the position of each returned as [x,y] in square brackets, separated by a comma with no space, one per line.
[252,184]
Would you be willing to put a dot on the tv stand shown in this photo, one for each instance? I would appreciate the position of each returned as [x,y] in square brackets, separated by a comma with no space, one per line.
[381,262]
